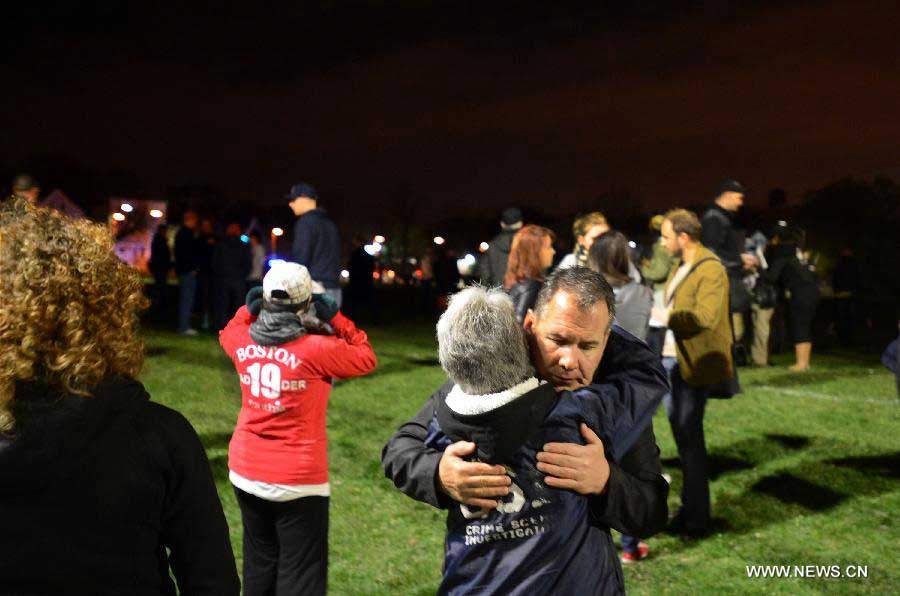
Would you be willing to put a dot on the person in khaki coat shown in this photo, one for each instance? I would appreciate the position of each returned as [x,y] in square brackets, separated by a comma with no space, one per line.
[696,354]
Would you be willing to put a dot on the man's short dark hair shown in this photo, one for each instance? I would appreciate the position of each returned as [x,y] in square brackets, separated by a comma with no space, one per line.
[588,287]
[684,221]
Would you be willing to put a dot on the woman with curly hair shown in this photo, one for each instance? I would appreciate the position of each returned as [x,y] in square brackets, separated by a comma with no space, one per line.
[101,490]
[530,256]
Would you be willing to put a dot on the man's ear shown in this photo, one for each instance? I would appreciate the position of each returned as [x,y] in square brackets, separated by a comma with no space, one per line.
[529,321]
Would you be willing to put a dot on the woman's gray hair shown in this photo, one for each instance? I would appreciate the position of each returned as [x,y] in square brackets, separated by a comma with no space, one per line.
[481,345]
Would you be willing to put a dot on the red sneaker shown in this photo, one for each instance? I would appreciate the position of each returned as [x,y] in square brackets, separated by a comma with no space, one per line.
[642,551]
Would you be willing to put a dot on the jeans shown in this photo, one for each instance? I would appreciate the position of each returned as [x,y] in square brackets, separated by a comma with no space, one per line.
[187,289]
[685,407]
[285,545]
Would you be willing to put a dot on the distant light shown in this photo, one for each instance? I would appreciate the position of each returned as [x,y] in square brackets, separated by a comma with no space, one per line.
[469,258]
[245,238]
[376,275]
[345,274]
[372,249]
[126,207]
[275,261]
[156,213]
[277,231]
[391,274]
[483,246]
[418,274]
[438,240]
[632,244]
[412,260]
[118,216]
[782,223]
[379,239]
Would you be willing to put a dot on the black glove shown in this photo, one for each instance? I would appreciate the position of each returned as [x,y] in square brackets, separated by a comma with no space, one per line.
[254,300]
[326,307]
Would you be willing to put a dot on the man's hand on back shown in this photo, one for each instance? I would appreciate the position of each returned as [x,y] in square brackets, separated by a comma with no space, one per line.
[471,483]
[582,468]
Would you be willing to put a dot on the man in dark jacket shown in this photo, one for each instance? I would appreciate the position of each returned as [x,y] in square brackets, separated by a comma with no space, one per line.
[159,264]
[188,255]
[540,540]
[317,245]
[493,264]
[719,236]
[569,349]
[231,263]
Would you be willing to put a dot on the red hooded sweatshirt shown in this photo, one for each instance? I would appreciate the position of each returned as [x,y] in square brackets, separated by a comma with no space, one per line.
[280,434]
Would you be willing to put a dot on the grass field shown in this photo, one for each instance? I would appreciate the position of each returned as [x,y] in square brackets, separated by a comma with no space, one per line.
[806,471]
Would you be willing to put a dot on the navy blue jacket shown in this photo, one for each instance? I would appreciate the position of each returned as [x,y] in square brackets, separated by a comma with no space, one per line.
[317,246]
[541,540]
[635,498]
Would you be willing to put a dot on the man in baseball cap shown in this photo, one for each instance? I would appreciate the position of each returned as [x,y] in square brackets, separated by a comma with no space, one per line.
[317,244]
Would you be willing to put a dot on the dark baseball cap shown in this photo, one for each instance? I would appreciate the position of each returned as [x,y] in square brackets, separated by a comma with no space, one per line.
[731,185]
[511,215]
[24,182]
[302,189]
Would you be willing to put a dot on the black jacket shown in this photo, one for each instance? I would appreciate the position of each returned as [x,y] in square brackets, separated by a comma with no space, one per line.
[94,490]
[541,540]
[719,236]
[231,260]
[188,251]
[160,258]
[317,246]
[786,271]
[523,295]
[635,499]
[493,264]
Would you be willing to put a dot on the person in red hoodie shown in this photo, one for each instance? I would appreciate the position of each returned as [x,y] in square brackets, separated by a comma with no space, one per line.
[286,359]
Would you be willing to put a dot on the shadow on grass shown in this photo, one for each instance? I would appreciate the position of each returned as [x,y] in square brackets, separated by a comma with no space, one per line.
[886,465]
[790,489]
[747,454]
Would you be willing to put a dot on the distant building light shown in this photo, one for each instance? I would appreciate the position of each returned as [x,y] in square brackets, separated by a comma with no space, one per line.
[345,274]
[412,260]
[156,213]
[379,239]
[275,261]
[469,258]
[376,275]
[391,274]
[438,240]
[245,238]
[483,246]
[277,232]
[372,249]
[118,216]
[126,207]
[782,223]
[632,244]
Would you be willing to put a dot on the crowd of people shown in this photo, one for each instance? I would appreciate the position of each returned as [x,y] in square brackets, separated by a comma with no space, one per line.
[538,445]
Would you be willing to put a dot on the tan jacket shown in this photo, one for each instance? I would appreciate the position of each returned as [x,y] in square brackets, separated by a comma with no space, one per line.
[700,322]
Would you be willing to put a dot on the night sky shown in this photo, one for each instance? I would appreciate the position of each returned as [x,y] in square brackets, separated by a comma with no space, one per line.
[548,108]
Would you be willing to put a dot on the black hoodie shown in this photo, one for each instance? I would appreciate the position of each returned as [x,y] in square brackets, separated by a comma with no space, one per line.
[93,491]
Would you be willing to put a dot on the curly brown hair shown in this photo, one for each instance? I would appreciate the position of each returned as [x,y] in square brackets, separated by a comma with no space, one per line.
[69,309]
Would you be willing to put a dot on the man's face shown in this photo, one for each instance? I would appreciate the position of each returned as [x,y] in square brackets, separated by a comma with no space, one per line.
[588,239]
[190,220]
[567,341]
[670,239]
[731,201]
[301,205]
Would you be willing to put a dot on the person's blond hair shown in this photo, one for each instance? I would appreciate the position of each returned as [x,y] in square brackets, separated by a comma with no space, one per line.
[585,222]
[68,308]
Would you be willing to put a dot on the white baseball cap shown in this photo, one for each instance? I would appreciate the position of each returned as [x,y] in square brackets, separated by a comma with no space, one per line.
[287,284]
